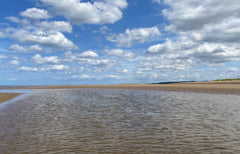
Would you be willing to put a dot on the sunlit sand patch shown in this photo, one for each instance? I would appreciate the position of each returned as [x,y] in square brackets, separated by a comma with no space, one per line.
[8,96]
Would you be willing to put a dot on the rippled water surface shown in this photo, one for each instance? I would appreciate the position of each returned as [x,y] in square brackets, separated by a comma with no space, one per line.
[119,121]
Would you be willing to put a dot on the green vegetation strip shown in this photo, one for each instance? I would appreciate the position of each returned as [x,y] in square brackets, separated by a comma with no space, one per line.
[235,79]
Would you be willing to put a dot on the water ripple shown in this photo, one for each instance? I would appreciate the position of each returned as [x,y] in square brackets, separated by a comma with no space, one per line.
[119,121]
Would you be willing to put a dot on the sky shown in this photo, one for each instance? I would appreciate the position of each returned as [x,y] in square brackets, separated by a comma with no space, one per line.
[67,42]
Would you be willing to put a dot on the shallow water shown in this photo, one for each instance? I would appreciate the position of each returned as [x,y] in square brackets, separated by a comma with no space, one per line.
[120,121]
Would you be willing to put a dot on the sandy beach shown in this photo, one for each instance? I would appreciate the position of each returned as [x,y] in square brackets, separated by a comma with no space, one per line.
[7,96]
[220,87]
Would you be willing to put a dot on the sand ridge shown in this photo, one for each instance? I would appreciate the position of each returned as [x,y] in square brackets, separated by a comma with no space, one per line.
[8,96]
[221,87]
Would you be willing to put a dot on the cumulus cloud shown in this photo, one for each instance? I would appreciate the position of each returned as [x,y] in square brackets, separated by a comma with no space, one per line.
[164,64]
[17,47]
[24,68]
[99,62]
[161,48]
[43,60]
[205,21]
[172,46]
[227,31]
[35,13]
[49,39]
[208,53]
[78,12]
[89,58]
[136,35]
[17,20]
[88,54]
[215,53]
[55,26]
[205,31]
[188,15]
[55,68]
[79,57]
[119,53]
[44,33]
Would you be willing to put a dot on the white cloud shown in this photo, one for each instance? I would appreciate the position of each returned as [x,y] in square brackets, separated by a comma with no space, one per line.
[78,12]
[99,62]
[157,1]
[215,53]
[188,15]
[208,53]
[88,54]
[43,60]
[205,31]
[49,39]
[104,29]
[119,3]
[24,68]
[3,56]
[55,26]
[205,21]
[80,57]
[55,68]
[35,13]
[84,76]
[13,19]
[137,35]
[59,67]
[5,32]
[17,20]
[42,33]
[227,31]
[14,62]
[161,48]
[89,59]
[17,47]
[119,53]
[90,77]
[169,46]
[125,71]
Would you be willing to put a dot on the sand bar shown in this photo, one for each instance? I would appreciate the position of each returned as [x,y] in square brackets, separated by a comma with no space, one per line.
[221,87]
[7,96]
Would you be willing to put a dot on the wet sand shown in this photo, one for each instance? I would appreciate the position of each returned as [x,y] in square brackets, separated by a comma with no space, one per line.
[7,96]
[220,87]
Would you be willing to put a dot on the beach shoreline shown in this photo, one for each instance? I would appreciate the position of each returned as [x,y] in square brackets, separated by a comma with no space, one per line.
[219,87]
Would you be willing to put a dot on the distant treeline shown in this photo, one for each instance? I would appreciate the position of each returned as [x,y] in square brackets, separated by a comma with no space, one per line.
[172,82]
[234,79]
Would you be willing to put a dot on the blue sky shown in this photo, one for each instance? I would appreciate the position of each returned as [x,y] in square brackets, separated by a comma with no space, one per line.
[47,42]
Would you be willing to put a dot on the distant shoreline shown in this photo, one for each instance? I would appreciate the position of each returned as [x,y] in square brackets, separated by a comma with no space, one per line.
[221,87]
[218,87]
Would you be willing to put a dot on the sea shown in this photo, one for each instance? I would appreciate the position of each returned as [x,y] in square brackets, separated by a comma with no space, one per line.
[119,121]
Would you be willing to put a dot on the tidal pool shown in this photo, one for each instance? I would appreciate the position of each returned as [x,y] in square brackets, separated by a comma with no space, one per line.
[120,121]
